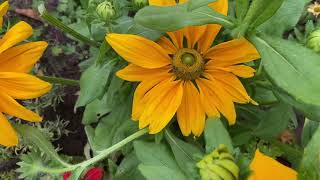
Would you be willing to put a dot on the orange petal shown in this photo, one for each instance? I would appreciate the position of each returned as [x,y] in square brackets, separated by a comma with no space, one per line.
[264,167]
[214,96]
[177,38]
[190,115]
[138,50]
[22,86]
[3,10]
[162,103]
[162,2]
[22,58]
[232,52]
[193,34]
[8,136]
[16,34]
[136,73]
[167,45]
[9,106]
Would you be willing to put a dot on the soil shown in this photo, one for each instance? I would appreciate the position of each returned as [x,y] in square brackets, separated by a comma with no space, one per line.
[65,66]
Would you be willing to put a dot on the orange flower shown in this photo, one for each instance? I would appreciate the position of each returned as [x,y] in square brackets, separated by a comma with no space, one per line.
[182,74]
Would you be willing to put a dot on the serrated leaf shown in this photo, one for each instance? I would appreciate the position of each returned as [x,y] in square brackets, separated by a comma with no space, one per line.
[216,134]
[184,154]
[33,135]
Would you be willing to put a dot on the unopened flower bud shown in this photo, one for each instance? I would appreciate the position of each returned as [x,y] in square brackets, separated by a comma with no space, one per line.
[140,3]
[105,10]
[313,41]
[219,164]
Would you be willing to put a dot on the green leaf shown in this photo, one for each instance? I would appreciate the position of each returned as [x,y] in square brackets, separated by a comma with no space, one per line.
[310,164]
[93,82]
[128,169]
[274,122]
[172,18]
[284,64]
[184,154]
[34,136]
[160,173]
[309,128]
[284,19]
[215,134]
[95,110]
[195,4]
[242,7]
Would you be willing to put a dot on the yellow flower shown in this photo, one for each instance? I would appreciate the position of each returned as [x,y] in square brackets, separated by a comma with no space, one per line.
[15,83]
[3,10]
[264,167]
[183,74]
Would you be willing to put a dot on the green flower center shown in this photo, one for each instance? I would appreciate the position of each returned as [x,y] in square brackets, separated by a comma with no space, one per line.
[187,64]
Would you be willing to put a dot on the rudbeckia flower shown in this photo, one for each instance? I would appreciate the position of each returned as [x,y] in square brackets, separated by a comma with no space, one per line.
[182,74]
[15,82]
[264,167]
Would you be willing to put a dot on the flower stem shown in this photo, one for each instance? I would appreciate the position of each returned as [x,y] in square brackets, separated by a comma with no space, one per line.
[103,154]
[62,81]
[55,22]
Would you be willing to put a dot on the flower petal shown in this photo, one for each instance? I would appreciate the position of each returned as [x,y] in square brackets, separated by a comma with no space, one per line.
[232,52]
[167,45]
[190,115]
[162,103]
[138,50]
[16,34]
[177,38]
[136,73]
[214,96]
[231,84]
[11,107]
[212,30]
[22,58]
[3,10]
[265,167]
[8,136]
[162,2]
[22,86]
[193,34]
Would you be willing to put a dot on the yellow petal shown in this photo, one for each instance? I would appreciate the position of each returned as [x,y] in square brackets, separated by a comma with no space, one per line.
[264,167]
[167,45]
[22,58]
[177,38]
[241,71]
[138,50]
[136,73]
[3,10]
[232,52]
[162,103]
[142,89]
[212,30]
[11,107]
[231,84]
[190,114]
[16,34]
[162,2]
[212,96]
[8,136]
[193,34]
[22,86]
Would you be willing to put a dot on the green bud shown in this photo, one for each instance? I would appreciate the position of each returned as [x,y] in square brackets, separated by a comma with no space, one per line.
[219,164]
[106,11]
[140,3]
[313,41]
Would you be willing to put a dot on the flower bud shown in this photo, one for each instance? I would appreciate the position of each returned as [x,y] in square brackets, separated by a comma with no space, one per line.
[106,11]
[140,3]
[313,41]
[219,164]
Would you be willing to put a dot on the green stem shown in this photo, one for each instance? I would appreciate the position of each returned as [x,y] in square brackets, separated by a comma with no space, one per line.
[62,81]
[55,22]
[103,154]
